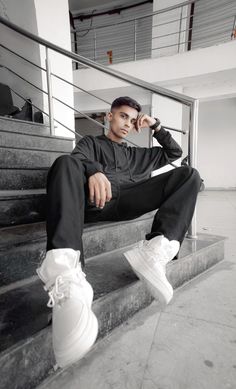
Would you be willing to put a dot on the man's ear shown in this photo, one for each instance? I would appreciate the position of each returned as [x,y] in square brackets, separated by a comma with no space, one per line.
[109,116]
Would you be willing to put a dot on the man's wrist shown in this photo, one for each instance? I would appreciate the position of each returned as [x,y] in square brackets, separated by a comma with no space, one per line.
[156,126]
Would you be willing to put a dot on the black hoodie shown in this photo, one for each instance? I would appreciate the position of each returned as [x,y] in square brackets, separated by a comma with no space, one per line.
[123,164]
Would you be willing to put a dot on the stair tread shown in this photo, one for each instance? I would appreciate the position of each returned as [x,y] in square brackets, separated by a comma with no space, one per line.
[118,295]
[32,299]
[107,273]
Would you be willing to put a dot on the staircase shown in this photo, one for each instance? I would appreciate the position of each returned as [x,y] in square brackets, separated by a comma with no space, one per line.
[26,358]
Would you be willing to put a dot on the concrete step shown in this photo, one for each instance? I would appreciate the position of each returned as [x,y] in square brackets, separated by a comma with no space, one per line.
[22,247]
[25,141]
[8,124]
[13,158]
[21,206]
[19,179]
[118,295]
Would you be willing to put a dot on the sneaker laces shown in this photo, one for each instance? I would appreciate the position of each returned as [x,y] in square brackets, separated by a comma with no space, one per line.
[61,290]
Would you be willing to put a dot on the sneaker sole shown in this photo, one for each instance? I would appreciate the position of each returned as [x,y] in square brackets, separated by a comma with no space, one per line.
[160,290]
[80,346]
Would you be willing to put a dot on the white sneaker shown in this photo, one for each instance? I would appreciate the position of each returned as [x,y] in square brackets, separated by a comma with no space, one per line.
[74,325]
[149,261]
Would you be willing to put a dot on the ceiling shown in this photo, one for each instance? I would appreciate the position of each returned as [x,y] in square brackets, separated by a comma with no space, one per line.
[89,5]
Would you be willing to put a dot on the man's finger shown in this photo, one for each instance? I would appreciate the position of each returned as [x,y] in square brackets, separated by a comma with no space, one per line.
[91,192]
[108,191]
[97,195]
[102,196]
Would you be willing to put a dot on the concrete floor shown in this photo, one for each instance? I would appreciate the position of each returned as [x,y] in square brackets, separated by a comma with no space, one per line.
[191,344]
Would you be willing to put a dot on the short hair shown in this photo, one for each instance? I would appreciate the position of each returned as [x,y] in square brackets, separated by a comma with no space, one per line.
[117,103]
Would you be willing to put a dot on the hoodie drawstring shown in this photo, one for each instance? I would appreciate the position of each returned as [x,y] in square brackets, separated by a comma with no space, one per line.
[130,174]
[126,155]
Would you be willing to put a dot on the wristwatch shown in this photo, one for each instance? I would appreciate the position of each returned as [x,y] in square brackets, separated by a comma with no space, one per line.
[156,125]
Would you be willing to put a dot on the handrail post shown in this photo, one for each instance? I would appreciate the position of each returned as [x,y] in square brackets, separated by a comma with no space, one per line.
[49,86]
[180,27]
[192,153]
[95,45]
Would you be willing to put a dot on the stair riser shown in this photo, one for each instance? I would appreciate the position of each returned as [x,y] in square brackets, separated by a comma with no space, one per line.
[19,126]
[111,310]
[20,262]
[115,236]
[30,255]
[15,179]
[20,211]
[17,158]
[10,139]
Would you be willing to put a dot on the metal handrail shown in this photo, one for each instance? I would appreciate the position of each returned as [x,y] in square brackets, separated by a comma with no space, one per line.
[45,113]
[149,15]
[179,97]
[69,106]
[135,47]
[20,56]
[160,11]
[53,74]
[55,98]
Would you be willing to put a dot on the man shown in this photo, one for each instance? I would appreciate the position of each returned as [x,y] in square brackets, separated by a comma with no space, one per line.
[104,179]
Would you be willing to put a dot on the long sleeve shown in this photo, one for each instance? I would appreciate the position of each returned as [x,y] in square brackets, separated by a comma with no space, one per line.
[170,148]
[87,152]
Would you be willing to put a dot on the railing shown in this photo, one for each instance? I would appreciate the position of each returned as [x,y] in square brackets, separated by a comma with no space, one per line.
[177,97]
[170,30]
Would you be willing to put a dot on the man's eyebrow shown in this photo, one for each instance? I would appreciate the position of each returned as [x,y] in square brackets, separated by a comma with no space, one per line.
[124,113]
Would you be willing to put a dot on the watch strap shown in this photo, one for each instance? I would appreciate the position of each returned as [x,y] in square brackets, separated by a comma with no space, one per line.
[155,125]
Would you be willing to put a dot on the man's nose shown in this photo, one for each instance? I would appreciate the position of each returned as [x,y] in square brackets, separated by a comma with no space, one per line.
[128,123]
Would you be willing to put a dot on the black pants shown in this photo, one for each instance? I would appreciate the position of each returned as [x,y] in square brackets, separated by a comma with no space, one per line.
[174,194]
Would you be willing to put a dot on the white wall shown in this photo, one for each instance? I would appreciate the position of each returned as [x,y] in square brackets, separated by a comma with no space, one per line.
[170,114]
[24,16]
[217,143]
[166,36]
[49,20]
[53,25]
[217,60]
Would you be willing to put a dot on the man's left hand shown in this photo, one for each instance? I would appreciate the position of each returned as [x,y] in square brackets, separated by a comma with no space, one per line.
[144,121]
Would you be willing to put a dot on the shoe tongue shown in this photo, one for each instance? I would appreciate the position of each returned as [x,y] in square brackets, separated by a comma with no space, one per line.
[56,263]
[160,249]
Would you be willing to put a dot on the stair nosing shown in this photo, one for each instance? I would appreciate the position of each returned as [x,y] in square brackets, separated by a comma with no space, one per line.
[24,168]
[20,194]
[24,121]
[57,137]
[34,149]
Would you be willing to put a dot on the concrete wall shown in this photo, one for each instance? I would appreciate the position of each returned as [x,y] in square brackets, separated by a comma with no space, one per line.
[217,142]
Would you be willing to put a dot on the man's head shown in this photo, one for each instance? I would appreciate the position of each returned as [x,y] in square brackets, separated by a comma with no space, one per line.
[128,101]
[122,117]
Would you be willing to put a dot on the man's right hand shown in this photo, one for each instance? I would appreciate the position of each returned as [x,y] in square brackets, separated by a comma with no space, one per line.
[99,189]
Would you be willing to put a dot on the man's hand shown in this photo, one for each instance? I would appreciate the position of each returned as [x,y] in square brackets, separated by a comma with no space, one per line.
[144,121]
[99,189]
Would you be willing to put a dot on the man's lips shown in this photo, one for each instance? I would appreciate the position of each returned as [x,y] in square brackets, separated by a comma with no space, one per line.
[125,131]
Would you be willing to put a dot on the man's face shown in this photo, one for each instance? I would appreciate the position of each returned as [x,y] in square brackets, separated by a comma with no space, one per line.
[122,122]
